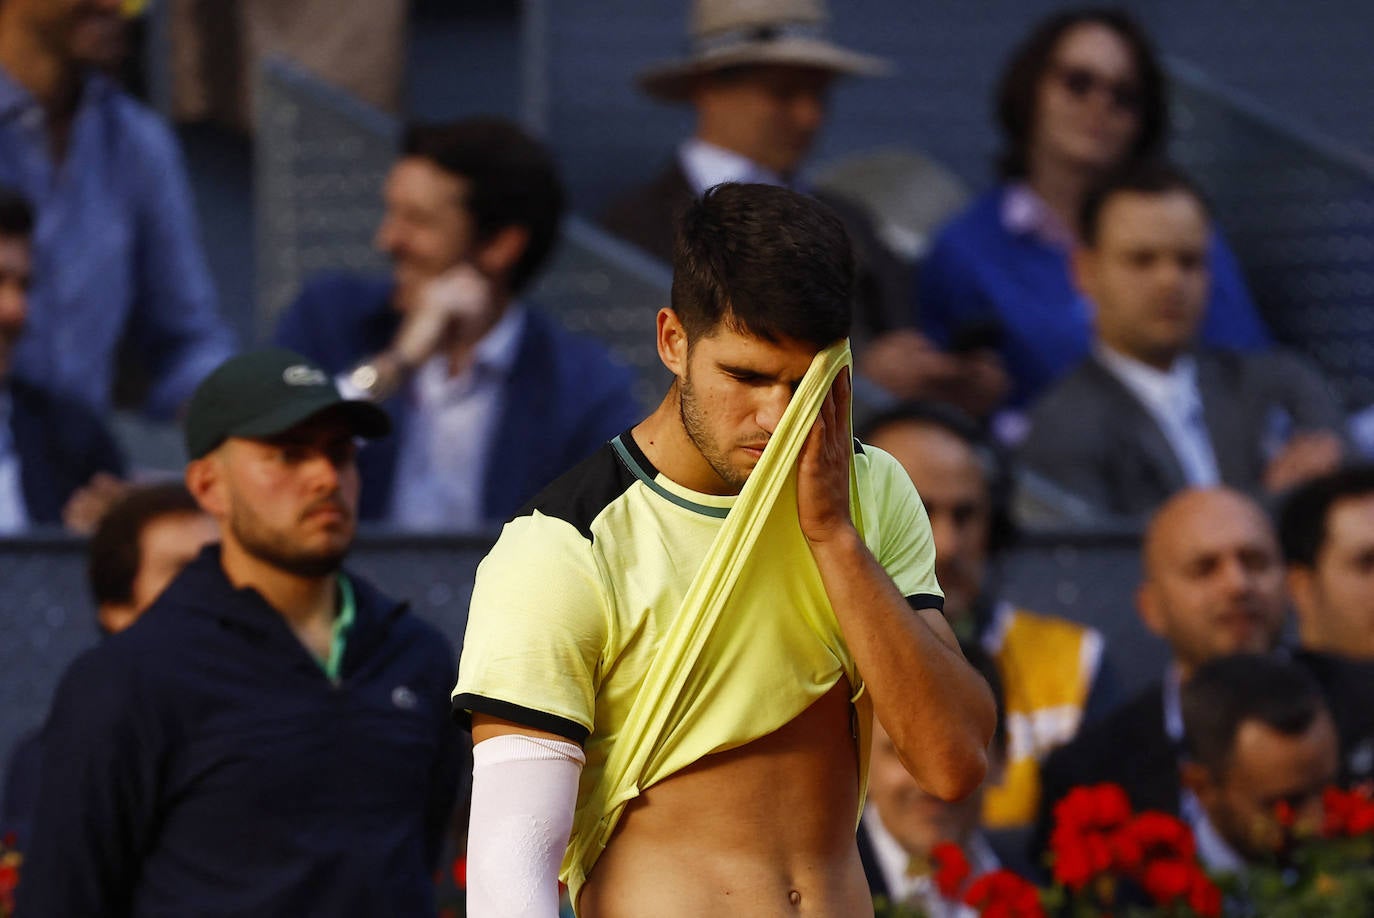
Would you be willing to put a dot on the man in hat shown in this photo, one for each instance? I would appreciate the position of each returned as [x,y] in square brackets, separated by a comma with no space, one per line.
[759,76]
[272,736]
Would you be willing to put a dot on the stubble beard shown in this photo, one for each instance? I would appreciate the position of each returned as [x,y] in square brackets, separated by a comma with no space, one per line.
[695,426]
[277,550]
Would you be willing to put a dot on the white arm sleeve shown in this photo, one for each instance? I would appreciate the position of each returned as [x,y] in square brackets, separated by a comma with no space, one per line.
[524,790]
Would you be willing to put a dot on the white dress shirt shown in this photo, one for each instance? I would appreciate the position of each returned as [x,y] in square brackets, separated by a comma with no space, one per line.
[903,887]
[1173,400]
[707,165]
[14,515]
[442,461]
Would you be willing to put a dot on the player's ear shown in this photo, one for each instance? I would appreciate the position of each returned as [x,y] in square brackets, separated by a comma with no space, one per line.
[672,342]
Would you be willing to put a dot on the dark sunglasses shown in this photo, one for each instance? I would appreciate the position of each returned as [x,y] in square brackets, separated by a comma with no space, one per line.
[1081,83]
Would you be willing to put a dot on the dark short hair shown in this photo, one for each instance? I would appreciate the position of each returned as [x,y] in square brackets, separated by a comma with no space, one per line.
[513,179]
[114,554]
[992,458]
[1019,85]
[766,261]
[1304,514]
[1147,177]
[16,214]
[1226,692]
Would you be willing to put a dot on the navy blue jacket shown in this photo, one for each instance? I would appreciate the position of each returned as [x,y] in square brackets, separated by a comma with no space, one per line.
[566,396]
[61,443]
[201,763]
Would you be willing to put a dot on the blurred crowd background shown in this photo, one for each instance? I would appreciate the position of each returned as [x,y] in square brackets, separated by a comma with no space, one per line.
[263,184]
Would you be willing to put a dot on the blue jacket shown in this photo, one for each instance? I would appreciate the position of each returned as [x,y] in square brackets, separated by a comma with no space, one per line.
[61,443]
[566,395]
[202,763]
[980,273]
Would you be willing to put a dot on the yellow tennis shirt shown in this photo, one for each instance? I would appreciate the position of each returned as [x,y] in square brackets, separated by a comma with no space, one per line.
[571,607]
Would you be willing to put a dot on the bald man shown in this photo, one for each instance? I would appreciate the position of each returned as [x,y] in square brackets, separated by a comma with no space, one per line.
[1213,585]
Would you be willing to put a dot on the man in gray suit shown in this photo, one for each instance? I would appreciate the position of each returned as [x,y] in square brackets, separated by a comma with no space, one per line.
[1149,412]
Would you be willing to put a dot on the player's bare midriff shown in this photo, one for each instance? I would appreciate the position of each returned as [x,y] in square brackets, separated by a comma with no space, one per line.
[763,830]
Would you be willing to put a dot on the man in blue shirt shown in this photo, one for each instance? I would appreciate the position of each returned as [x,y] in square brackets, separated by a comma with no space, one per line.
[116,246]
[58,462]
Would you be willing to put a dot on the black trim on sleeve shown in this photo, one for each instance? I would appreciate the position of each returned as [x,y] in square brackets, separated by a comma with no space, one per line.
[921,601]
[467,704]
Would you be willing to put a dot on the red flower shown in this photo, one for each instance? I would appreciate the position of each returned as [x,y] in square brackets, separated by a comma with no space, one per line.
[951,869]
[9,879]
[460,872]
[1284,814]
[1073,867]
[1204,897]
[1161,835]
[1002,894]
[1102,807]
[1168,880]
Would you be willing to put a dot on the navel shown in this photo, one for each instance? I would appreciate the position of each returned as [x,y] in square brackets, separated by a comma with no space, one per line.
[794,897]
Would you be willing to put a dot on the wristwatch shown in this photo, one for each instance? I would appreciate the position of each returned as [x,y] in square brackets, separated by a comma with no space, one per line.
[378,378]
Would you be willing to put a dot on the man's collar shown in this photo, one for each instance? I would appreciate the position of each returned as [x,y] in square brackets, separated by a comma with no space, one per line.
[499,347]
[706,165]
[1215,852]
[1141,376]
[15,98]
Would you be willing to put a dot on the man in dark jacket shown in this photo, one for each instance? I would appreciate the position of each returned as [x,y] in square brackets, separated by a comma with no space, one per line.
[272,736]
[491,399]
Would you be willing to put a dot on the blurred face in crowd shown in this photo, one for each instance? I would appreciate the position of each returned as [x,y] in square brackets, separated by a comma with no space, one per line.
[290,501]
[1267,767]
[952,485]
[166,545]
[732,391]
[1335,597]
[1087,107]
[770,114]
[1213,578]
[1147,275]
[15,267]
[79,32]
[426,229]
[916,819]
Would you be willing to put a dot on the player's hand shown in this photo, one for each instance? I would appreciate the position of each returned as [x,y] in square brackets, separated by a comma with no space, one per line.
[823,468]
[455,305]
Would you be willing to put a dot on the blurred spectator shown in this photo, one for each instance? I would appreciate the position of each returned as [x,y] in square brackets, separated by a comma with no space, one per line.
[1082,96]
[491,399]
[272,737]
[116,249]
[1149,412]
[145,539]
[1257,734]
[1213,586]
[57,460]
[902,824]
[1326,528]
[758,76]
[216,48]
[1054,672]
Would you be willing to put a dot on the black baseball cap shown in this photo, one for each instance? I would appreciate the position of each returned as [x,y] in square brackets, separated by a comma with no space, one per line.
[264,393]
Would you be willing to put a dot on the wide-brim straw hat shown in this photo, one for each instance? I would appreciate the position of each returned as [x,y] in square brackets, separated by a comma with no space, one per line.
[737,33]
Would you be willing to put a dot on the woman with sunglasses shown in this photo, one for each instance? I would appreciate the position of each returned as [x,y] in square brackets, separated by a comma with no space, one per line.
[1082,96]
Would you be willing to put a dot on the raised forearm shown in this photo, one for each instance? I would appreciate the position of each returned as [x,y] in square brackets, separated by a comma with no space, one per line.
[937,709]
